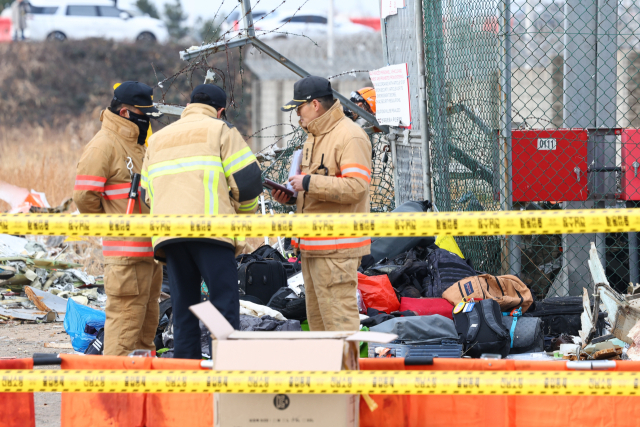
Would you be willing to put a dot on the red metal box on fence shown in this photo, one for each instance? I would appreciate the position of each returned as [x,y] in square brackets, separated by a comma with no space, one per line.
[549,165]
[5,30]
[630,164]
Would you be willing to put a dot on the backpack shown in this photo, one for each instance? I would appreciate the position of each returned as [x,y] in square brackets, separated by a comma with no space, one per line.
[290,308]
[509,291]
[96,346]
[481,330]
[445,268]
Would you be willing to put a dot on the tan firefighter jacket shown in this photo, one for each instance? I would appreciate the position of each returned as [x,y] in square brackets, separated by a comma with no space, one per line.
[200,165]
[337,155]
[103,183]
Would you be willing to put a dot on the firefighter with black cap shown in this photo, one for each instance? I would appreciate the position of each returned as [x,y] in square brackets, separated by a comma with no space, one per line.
[335,177]
[105,172]
[200,165]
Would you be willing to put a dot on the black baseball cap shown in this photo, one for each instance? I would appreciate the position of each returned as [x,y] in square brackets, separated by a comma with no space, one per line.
[138,95]
[215,93]
[306,89]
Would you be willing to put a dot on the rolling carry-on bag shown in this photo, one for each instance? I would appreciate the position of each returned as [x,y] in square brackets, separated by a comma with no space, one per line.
[261,279]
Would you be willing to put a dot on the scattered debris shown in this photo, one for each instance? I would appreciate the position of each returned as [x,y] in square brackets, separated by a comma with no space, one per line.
[39,274]
[62,345]
[46,301]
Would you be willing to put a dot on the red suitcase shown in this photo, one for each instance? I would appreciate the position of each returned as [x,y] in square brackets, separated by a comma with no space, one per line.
[427,306]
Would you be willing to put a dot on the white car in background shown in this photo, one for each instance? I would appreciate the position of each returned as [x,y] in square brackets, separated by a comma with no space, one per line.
[80,19]
[310,24]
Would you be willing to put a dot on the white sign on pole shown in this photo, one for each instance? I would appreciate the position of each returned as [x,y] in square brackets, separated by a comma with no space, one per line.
[392,95]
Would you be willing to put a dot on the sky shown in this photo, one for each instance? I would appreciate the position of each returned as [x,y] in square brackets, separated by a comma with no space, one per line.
[207,8]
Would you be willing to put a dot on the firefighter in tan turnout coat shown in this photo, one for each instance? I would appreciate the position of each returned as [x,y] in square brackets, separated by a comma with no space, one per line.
[336,173]
[200,165]
[132,279]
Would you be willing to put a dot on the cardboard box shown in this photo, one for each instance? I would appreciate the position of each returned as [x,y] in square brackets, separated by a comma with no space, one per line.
[283,351]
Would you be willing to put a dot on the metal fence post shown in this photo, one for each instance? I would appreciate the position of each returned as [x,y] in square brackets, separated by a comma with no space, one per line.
[438,107]
[422,94]
[504,140]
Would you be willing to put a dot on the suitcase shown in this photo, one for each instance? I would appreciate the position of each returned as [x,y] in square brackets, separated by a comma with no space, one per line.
[261,279]
[559,315]
[527,336]
[427,306]
[448,349]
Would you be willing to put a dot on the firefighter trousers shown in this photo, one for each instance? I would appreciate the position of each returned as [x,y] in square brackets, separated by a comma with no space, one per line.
[330,286]
[133,289]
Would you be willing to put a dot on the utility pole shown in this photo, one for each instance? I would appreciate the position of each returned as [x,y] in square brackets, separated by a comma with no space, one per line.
[330,38]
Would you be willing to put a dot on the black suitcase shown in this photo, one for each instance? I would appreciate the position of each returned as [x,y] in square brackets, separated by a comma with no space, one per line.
[559,315]
[261,279]
[481,330]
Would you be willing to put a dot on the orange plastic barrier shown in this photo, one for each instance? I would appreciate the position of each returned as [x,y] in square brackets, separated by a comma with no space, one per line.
[496,411]
[5,30]
[133,409]
[17,409]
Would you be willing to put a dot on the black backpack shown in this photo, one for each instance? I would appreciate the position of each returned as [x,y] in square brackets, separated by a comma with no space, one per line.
[290,308]
[481,330]
[261,279]
[445,268]
[96,347]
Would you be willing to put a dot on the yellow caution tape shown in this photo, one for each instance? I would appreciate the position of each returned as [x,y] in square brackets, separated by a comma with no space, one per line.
[328,225]
[564,383]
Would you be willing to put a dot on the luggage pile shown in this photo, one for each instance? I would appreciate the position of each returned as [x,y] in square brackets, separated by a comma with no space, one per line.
[424,290]
[440,306]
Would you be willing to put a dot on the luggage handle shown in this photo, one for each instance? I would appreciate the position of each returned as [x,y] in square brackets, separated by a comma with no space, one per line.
[596,365]
[418,360]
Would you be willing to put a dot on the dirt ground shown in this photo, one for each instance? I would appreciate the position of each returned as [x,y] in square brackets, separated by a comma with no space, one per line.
[23,340]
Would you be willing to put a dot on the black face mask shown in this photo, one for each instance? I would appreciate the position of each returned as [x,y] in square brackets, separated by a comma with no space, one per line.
[142,121]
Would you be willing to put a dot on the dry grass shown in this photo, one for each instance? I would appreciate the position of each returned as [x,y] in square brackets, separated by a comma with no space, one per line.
[44,159]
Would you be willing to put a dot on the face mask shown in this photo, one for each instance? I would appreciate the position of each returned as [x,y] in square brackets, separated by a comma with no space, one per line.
[142,121]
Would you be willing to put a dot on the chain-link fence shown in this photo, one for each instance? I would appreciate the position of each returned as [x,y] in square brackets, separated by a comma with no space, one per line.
[531,106]
[275,163]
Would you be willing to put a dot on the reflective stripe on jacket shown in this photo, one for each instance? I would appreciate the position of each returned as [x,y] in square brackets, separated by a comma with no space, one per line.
[200,165]
[337,155]
[103,182]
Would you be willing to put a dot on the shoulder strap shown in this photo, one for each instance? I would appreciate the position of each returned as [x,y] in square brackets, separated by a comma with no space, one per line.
[490,318]
[474,325]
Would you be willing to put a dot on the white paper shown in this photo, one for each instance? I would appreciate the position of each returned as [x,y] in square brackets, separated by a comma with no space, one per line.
[296,282]
[296,169]
[390,7]
[392,95]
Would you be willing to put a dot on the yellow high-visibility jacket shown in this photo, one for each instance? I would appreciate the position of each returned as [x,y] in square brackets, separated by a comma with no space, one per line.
[200,165]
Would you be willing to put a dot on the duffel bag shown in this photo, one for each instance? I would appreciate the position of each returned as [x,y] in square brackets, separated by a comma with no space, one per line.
[427,306]
[525,333]
[481,330]
[390,247]
[509,291]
